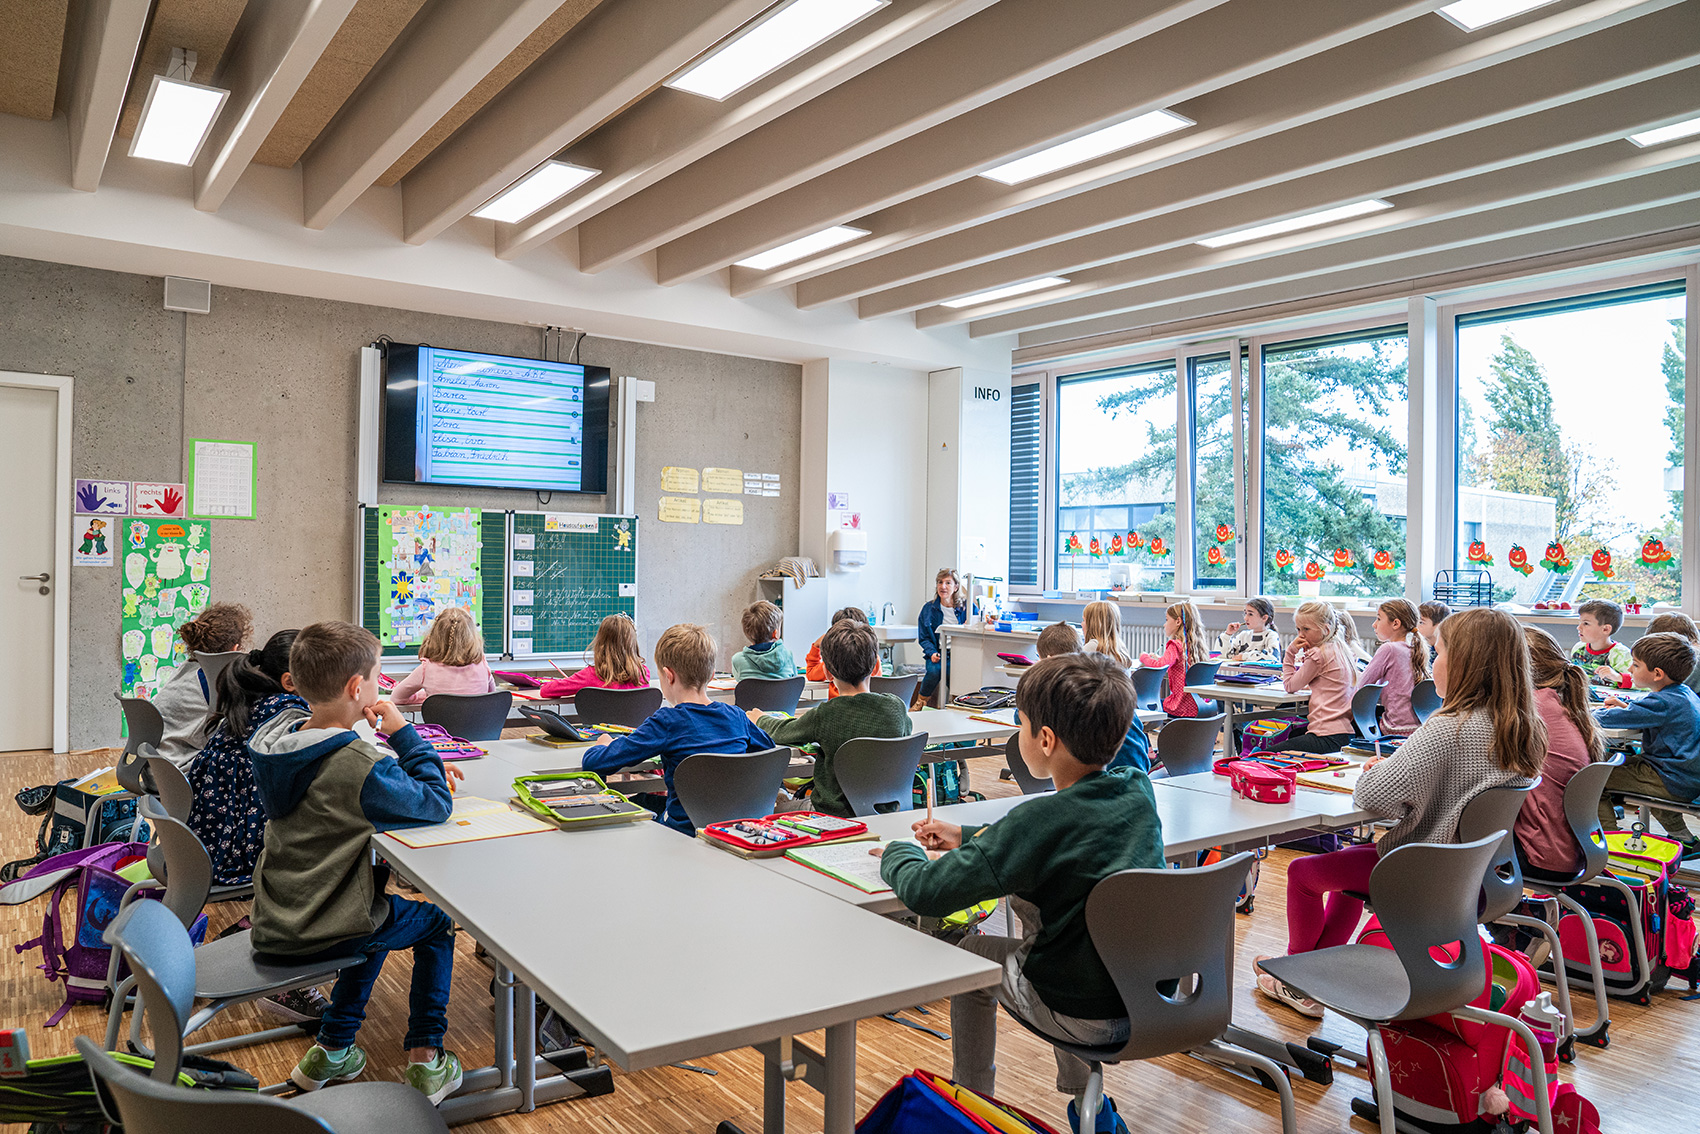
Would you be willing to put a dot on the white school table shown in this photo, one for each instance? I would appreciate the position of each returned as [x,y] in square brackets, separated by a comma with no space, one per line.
[555,912]
[1260,698]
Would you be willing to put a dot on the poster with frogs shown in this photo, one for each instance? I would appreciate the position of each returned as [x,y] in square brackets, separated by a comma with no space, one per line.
[166,567]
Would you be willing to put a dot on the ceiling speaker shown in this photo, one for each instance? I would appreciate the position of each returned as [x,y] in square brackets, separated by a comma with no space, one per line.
[193,296]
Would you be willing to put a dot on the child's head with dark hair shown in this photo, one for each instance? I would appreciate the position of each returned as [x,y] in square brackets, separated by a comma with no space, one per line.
[218,629]
[326,655]
[250,679]
[761,622]
[1675,622]
[1264,609]
[1671,653]
[854,613]
[849,652]
[1058,638]
[1604,612]
[1085,700]
[1429,617]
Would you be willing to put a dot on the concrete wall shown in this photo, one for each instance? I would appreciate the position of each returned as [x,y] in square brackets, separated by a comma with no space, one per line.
[283,371]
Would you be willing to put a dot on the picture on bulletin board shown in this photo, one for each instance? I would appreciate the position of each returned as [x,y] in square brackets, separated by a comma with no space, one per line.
[224,478]
[103,497]
[168,500]
[92,545]
[428,560]
[167,581]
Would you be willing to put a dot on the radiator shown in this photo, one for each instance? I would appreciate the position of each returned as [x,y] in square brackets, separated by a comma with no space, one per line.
[1138,640]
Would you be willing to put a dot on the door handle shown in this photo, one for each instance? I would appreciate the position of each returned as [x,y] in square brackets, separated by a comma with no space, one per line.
[41,578]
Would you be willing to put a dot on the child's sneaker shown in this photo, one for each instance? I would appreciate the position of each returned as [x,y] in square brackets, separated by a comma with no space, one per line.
[1281,992]
[1108,1121]
[438,1079]
[318,1067]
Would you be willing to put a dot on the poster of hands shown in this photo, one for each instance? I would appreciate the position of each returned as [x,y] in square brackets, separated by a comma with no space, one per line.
[428,560]
[167,565]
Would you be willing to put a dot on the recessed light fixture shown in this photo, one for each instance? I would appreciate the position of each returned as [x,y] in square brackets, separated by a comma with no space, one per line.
[178,114]
[1109,139]
[998,293]
[548,182]
[1669,133]
[802,246]
[768,45]
[1293,224]
[1473,14]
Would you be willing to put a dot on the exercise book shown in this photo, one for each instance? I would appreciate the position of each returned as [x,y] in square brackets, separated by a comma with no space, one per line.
[850,863]
[471,820]
[1335,779]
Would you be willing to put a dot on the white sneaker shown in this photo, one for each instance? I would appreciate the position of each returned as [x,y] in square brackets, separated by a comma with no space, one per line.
[1280,992]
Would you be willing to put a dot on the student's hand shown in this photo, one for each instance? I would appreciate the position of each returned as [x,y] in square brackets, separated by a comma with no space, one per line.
[1607,674]
[385,717]
[935,657]
[602,741]
[1613,701]
[1372,762]
[1234,627]
[935,834]
[755,716]
[454,775]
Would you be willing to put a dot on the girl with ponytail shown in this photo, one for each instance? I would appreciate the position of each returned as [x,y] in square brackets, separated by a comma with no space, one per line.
[1400,661]
[1573,741]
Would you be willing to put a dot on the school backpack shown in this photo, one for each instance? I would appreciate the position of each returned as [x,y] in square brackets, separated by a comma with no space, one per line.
[54,1093]
[67,814]
[1629,905]
[948,786]
[82,959]
[986,698]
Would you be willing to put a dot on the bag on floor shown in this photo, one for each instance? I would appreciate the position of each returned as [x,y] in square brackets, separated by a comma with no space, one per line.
[947,785]
[925,1103]
[67,813]
[1629,906]
[1247,900]
[55,1092]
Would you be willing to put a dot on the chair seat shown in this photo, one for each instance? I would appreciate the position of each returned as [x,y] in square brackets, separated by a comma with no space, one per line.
[226,969]
[372,1108]
[1365,982]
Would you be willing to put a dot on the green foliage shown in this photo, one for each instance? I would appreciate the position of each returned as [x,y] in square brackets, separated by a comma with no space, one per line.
[1676,389]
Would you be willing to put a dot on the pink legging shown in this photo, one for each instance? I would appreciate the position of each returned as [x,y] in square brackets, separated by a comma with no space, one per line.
[1319,916]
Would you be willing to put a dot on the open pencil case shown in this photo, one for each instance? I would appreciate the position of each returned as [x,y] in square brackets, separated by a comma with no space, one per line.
[771,837]
[576,800]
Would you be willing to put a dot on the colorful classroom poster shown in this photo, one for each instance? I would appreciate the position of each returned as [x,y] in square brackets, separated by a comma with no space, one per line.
[225,478]
[91,542]
[167,566]
[428,560]
[103,497]
[168,500]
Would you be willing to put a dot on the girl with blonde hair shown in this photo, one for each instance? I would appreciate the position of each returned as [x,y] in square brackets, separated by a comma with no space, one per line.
[1101,626]
[1184,631]
[616,661]
[1318,659]
[451,660]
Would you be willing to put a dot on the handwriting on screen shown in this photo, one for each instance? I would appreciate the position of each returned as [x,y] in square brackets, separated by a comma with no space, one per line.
[481,413]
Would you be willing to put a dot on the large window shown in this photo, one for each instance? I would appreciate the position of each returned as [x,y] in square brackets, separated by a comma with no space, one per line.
[1025,464]
[1570,447]
[1335,437]
[1214,525]
[1115,446]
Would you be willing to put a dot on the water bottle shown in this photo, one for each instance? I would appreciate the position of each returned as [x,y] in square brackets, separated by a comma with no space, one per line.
[1547,1022]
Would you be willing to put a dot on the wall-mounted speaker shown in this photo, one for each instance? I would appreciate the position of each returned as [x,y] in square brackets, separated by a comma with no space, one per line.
[193,296]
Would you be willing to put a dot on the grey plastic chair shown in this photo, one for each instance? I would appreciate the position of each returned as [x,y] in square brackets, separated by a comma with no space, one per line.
[1203,673]
[1024,779]
[903,688]
[142,725]
[1425,700]
[1188,744]
[143,1106]
[1177,980]
[1364,704]
[211,666]
[878,774]
[142,722]
[1147,687]
[715,787]
[477,717]
[627,708]
[1426,896]
[769,694]
[170,785]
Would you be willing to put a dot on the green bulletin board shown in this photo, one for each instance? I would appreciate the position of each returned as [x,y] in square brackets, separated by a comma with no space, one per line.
[382,563]
[167,565]
[569,571]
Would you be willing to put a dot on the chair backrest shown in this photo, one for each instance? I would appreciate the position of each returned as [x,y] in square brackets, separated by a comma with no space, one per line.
[1202,673]
[903,688]
[769,694]
[876,772]
[1024,779]
[1492,810]
[714,787]
[142,724]
[1147,686]
[1425,896]
[146,1107]
[211,666]
[628,708]
[1364,703]
[162,957]
[1188,745]
[177,858]
[1175,974]
[477,717]
[169,784]
[1582,808]
[1425,699]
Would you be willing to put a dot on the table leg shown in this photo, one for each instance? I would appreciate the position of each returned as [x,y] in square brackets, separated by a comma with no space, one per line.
[1228,728]
[839,1091]
[504,1024]
[772,1093]
[525,1046]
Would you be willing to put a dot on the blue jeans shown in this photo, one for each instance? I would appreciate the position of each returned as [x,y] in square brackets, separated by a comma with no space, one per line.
[429,932]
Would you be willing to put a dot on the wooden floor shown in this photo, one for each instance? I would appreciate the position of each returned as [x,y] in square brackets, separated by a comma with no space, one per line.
[1647,1082]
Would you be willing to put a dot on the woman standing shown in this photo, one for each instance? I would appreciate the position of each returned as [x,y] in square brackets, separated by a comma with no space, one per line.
[947,596]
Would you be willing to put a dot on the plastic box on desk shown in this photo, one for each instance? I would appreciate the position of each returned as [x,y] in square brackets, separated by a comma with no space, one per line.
[523,792]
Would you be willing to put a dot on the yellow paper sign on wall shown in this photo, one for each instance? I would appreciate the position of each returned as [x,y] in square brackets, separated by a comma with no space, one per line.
[681,509]
[723,511]
[730,481]
[675,478]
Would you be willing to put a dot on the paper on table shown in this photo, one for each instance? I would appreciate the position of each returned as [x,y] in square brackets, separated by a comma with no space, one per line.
[850,863]
[1333,779]
[471,820]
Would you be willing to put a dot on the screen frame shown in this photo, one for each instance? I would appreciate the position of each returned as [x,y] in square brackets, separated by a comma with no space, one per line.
[398,402]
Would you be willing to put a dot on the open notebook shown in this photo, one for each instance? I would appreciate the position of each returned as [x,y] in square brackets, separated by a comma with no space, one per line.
[471,820]
[850,863]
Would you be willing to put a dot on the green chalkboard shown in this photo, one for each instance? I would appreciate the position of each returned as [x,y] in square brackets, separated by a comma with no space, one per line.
[569,572]
[492,580]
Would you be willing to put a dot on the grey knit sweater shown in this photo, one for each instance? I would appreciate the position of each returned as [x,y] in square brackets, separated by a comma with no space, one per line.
[1427,783]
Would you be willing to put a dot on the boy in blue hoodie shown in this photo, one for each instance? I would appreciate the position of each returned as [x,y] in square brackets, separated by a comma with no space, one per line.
[325,791]
[1669,720]
[691,722]
[766,655]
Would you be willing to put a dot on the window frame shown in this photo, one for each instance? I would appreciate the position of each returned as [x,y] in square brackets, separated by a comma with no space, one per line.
[1186,550]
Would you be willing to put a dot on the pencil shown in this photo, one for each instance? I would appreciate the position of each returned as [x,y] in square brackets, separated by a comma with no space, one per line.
[559,670]
[929,793]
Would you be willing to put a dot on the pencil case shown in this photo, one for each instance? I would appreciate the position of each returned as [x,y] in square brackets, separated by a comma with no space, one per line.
[520,680]
[576,800]
[1260,782]
[773,836]
[1282,762]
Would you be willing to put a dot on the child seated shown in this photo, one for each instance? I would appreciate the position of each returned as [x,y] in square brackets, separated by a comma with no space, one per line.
[1604,658]
[848,651]
[1675,622]
[766,655]
[689,723]
[616,662]
[1400,661]
[1544,839]
[812,664]
[1056,639]
[1430,615]
[1318,659]
[1184,648]
[1048,853]
[1060,638]
[1669,719]
[451,660]
[316,896]
[1101,626]
[1254,639]
[185,697]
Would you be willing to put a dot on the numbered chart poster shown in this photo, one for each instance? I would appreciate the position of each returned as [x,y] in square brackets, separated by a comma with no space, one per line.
[428,559]
[167,581]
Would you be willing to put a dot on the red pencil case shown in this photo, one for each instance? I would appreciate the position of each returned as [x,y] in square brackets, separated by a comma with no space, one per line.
[1262,783]
[518,680]
[780,833]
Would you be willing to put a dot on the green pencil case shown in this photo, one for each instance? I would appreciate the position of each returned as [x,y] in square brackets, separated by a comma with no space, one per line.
[576,800]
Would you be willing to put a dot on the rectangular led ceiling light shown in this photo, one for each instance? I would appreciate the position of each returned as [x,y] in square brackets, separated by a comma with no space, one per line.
[1473,14]
[1667,133]
[1293,224]
[176,119]
[1118,136]
[548,182]
[766,46]
[998,293]
[802,246]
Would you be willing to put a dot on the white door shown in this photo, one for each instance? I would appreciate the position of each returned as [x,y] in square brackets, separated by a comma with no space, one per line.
[28,465]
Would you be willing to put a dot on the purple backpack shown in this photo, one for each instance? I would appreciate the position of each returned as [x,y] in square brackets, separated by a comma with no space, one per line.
[84,961]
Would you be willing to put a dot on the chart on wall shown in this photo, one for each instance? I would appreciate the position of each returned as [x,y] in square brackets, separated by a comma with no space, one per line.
[167,581]
[569,571]
[429,559]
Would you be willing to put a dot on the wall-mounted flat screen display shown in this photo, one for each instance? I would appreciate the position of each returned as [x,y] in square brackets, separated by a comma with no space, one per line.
[494,421]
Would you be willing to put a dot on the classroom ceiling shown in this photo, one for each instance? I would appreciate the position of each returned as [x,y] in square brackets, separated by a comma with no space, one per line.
[1464,149]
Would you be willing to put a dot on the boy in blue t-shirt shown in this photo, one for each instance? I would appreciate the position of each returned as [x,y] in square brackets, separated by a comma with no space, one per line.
[690,723]
[1669,719]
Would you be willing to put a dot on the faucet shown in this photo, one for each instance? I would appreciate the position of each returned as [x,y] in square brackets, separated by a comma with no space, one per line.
[888,613]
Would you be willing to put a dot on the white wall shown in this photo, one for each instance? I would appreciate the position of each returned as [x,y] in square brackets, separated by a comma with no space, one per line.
[968,471]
